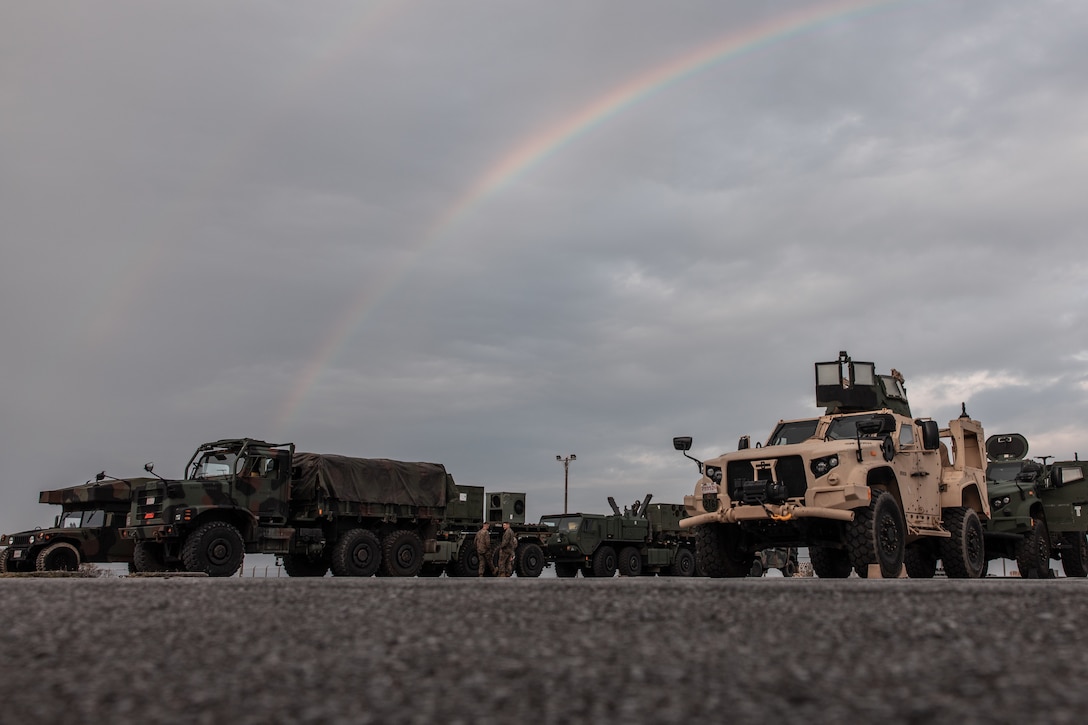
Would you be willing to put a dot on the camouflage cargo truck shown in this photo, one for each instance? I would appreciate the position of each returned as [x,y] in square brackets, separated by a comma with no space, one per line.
[88,529]
[355,516]
[864,483]
[645,539]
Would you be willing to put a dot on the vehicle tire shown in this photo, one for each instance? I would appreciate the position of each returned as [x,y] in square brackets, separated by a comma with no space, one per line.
[302,565]
[566,570]
[829,563]
[683,564]
[149,556]
[468,559]
[7,564]
[356,553]
[529,560]
[757,568]
[604,562]
[964,555]
[1075,554]
[58,556]
[877,535]
[1033,552]
[718,552]
[215,548]
[630,562]
[402,553]
[920,559]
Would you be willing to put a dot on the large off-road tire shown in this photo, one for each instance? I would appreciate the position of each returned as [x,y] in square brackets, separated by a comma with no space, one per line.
[215,548]
[566,570]
[630,562]
[1075,554]
[149,556]
[791,566]
[1033,552]
[302,565]
[757,568]
[964,555]
[718,552]
[920,559]
[877,535]
[604,562]
[467,561]
[683,564]
[7,564]
[356,553]
[829,563]
[529,560]
[402,553]
[58,556]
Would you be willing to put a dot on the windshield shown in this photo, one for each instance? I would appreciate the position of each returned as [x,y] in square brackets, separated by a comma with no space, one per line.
[214,464]
[794,431]
[562,523]
[1003,472]
[77,519]
[847,426]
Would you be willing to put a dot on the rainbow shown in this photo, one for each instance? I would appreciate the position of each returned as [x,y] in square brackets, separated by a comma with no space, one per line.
[534,149]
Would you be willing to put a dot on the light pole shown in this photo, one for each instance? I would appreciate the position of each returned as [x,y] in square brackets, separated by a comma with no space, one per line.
[566,475]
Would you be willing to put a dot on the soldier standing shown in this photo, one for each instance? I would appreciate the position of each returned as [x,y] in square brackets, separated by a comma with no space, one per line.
[483,549]
[507,546]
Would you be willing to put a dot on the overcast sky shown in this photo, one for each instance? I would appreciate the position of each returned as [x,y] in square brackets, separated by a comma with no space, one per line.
[487,233]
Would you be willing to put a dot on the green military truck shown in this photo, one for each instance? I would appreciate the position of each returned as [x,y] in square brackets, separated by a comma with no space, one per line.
[355,516]
[1039,512]
[865,483]
[645,539]
[460,557]
[88,529]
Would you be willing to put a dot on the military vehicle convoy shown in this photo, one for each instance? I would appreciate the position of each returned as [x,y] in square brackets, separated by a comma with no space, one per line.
[1040,512]
[644,539]
[864,483]
[88,529]
[316,512]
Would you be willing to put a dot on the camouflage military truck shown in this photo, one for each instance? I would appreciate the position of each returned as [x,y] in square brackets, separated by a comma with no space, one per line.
[865,483]
[88,529]
[1017,528]
[355,516]
[502,507]
[1065,508]
[643,539]
[315,512]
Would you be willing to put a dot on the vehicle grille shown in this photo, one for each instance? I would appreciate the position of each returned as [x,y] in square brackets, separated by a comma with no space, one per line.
[148,505]
[789,470]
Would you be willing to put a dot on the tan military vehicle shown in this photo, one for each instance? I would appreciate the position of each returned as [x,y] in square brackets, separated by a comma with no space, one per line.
[864,483]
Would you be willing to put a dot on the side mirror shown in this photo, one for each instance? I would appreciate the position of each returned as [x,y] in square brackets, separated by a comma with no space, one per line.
[1056,477]
[931,434]
[100,476]
[682,443]
[744,443]
[149,467]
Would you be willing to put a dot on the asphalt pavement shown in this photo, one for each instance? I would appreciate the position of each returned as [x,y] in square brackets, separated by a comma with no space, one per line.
[642,650]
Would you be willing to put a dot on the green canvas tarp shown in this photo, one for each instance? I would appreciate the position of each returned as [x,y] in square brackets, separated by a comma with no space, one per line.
[368,480]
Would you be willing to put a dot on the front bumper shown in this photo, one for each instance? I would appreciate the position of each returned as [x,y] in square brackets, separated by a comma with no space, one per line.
[835,503]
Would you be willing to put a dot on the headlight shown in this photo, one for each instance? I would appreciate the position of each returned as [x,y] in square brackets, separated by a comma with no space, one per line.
[11,541]
[820,466]
[31,539]
[999,502]
[714,473]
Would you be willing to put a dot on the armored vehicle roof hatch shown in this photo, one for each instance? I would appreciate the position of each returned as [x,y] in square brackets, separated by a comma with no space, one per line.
[850,386]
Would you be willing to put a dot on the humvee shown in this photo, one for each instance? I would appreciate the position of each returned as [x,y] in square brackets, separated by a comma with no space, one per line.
[782,558]
[865,483]
[87,530]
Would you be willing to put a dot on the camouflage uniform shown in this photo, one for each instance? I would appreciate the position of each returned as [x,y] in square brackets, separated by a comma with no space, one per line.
[507,547]
[483,549]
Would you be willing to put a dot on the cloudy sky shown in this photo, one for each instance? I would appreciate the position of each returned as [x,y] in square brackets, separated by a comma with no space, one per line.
[485,233]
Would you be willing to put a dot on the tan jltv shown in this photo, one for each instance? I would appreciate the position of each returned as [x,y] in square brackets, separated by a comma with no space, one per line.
[865,483]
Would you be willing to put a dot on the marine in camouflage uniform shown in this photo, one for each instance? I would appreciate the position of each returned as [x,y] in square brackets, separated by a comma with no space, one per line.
[507,546]
[483,549]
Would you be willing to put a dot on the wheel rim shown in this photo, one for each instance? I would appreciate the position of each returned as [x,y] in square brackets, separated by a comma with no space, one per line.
[361,555]
[220,551]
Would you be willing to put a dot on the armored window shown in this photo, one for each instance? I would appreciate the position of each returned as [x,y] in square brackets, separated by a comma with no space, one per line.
[94,518]
[893,388]
[828,374]
[906,435]
[1071,473]
[72,520]
[863,373]
[589,526]
[793,432]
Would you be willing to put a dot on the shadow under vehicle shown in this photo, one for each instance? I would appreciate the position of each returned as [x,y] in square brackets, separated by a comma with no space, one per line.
[88,529]
[644,539]
[865,483]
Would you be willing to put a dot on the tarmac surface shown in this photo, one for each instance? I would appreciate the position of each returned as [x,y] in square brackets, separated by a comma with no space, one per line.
[446,651]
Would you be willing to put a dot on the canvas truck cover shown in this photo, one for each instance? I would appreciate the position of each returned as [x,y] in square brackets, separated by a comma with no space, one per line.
[102,492]
[368,480]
